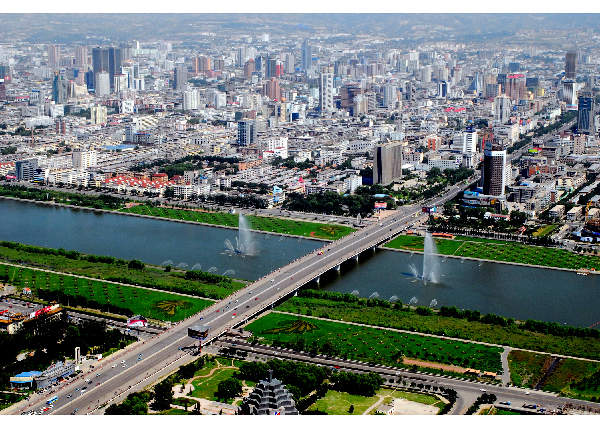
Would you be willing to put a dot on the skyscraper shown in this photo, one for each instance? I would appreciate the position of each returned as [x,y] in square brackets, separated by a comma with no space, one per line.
[585,113]
[390,96]
[494,168]
[246,132]
[326,92]
[201,64]
[53,55]
[387,162]
[179,77]
[81,59]
[102,83]
[2,90]
[59,88]
[107,59]
[570,65]
[306,55]
[515,87]
[271,89]
[470,140]
[502,108]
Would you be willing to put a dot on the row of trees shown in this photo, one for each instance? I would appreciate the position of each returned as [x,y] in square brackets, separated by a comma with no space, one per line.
[105,202]
[82,301]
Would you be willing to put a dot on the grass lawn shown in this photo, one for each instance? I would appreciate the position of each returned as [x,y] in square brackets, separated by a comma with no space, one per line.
[152,304]
[268,224]
[207,387]
[490,249]
[443,326]
[411,396]
[545,230]
[173,412]
[338,403]
[367,343]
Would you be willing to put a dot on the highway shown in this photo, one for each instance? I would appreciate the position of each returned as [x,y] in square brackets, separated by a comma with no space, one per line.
[160,354]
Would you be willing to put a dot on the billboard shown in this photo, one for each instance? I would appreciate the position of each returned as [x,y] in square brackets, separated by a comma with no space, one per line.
[380,205]
[198,332]
[428,209]
[40,312]
[137,321]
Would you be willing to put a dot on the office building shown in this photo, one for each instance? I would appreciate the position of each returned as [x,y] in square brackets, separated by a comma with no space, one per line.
[59,88]
[98,115]
[493,90]
[102,83]
[25,168]
[179,77]
[390,96]
[246,132]
[442,91]
[326,92]
[2,90]
[120,83]
[570,65]
[494,169]
[53,55]
[469,144]
[201,64]
[306,55]
[569,93]
[585,113]
[107,59]
[515,87]
[271,89]
[387,162]
[502,108]
[249,68]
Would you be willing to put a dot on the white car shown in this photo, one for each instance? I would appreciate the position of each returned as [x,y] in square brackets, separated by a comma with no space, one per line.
[114,365]
[526,392]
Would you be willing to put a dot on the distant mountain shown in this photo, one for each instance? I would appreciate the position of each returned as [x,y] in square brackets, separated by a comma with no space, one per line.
[90,28]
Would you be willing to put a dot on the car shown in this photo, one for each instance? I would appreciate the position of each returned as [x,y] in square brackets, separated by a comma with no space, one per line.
[397,373]
[256,298]
[114,365]
[235,309]
[247,306]
[526,392]
[234,314]
[218,310]
[122,361]
[278,288]
[226,306]
[272,280]
[69,396]
[97,374]
[236,301]
[505,402]
[84,388]
[482,390]
[336,367]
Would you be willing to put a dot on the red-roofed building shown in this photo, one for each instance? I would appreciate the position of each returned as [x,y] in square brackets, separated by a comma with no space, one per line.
[160,176]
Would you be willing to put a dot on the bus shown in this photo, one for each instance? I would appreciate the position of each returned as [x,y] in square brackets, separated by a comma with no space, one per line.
[52,400]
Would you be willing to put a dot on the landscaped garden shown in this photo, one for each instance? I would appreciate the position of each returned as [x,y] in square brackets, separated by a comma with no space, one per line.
[489,249]
[107,297]
[369,344]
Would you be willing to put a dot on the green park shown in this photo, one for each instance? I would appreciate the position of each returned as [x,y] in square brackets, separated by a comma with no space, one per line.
[501,251]
[262,223]
[370,344]
[107,297]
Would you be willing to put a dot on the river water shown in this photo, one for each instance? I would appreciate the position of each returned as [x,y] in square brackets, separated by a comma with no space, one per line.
[510,291]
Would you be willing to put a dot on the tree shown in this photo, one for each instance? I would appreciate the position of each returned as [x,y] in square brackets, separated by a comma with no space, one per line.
[229,389]
[136,264]
[351,409]
[163,395]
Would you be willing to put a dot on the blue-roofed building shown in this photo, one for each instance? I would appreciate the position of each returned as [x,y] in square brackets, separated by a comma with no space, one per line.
[23,380]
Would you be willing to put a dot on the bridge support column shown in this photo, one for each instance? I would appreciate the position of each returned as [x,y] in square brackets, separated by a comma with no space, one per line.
[317,279]
[373,248]
[338,267]
[355,257]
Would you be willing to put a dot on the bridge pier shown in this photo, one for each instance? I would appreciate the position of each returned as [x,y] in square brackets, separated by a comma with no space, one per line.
[355,257]
[338,267]
[373,248]
[317,279]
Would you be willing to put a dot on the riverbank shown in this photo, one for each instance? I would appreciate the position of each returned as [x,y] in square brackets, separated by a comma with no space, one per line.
[155,217]
[466,248]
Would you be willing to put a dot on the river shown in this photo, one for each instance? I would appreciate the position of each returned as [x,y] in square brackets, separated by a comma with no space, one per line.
[510,291]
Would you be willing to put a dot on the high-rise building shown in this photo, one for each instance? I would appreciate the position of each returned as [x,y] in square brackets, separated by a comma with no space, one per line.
[83,159]
[515,87]
[98,114]
[571,65]
[494,168]
[81,58]
[246,132]
[569,92]
[271,89]
[493,90]
[502,108]
[387,162]
[290,64]
[102,83]
[60,86]
[249,68]
[442,89]
[306,55]
[585,113]
[179,77]
[326,92]
[107,59]
[390,96]
[201,64]
[120,83]
[2,90]
[469,140]
[126,51]
[53,55]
